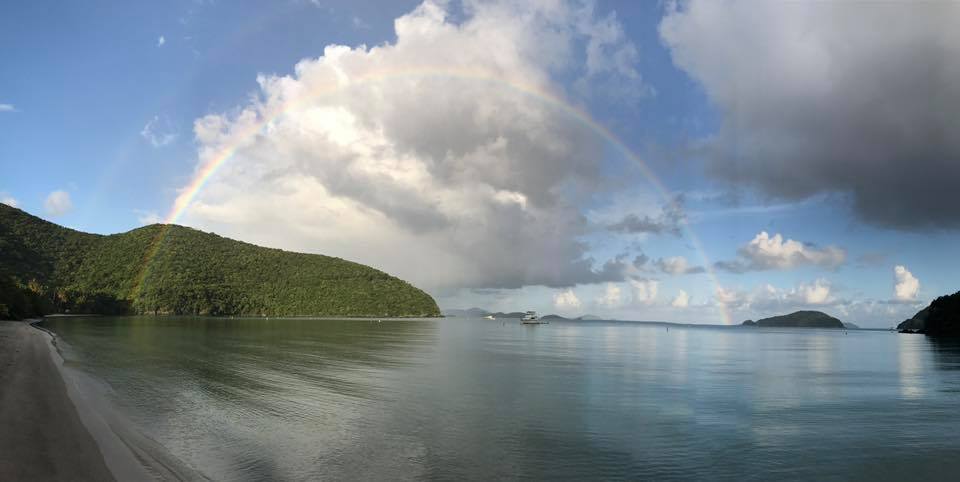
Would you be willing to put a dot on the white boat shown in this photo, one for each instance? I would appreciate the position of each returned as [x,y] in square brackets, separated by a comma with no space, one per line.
[489,317]
[531,318]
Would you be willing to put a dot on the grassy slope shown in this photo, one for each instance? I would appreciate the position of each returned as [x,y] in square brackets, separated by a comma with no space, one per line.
[185,271]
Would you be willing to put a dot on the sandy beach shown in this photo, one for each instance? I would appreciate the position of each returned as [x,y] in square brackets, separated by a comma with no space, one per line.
[43,437]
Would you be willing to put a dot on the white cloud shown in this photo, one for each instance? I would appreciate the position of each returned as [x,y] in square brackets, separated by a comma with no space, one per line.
[765,252]
[9,200]
[566,301]
[673,265]
[906,286]
[7,108]
[730,297]
[816,294]
[767,298]
[443,163]
[58,203]
[644,291]
[158,132]
[161,40]
[612,296]
[682,300]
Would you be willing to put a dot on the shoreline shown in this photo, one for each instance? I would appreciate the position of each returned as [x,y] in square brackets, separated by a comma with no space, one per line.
[75,440]
[43,437]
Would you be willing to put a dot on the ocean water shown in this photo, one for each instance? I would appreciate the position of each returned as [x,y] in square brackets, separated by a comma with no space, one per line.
[455,399]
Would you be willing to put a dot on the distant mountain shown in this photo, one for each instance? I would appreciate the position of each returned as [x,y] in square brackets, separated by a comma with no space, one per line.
[512,314]
[940,318]
[749,323]
[480,313]
[850,326]
[467,313]
[801,319]
[170,269]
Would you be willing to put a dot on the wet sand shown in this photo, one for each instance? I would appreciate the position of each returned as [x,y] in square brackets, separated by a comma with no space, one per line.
[42,436]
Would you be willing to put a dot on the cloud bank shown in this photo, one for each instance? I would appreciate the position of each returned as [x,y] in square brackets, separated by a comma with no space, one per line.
[429,157]
[765,252]
[833,97]
[767,298]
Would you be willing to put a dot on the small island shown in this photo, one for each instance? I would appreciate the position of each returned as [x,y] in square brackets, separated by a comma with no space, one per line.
[798,319]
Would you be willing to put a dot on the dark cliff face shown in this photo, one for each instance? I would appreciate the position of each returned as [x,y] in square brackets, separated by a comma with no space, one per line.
[170,269]
[941,318]
[801,319]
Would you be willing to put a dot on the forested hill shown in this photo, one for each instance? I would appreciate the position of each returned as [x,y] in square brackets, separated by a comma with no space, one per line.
[170,269]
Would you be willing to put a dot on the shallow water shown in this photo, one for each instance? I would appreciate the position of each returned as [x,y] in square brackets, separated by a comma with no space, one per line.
[478,399]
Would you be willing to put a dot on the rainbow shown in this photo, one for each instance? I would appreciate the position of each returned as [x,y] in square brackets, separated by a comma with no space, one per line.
[215,162]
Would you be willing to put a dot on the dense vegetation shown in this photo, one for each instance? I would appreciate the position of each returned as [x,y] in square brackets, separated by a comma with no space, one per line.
[799,319]
[941,318]
[170,269]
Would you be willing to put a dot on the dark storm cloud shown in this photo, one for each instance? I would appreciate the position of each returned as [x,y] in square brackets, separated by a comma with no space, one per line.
[854,98]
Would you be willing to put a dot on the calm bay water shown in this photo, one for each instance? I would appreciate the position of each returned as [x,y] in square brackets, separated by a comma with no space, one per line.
[481,400]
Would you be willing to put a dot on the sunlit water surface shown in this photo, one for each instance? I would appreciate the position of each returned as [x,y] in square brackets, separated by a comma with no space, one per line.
[477,399]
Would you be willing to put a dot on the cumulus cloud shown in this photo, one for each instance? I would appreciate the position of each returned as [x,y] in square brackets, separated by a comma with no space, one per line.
[906,286]
[644,291]
[440,173]
[767,298]
[612,296]
[158,132]
[669,221]
[58,203]
[7,108]
[566,300]
[682,300]
[765,252]
[835,97]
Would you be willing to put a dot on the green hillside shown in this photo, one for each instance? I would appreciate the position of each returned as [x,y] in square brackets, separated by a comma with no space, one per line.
[170,269]
[940,318]
[801,319]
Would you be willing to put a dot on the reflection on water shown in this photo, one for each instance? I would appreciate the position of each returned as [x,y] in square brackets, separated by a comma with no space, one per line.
[911,350]
[481,400]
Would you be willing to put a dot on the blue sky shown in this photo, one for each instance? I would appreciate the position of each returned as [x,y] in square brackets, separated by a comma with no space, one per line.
[477,186]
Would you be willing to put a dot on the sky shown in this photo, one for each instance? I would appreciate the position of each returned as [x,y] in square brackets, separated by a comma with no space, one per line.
[691,161]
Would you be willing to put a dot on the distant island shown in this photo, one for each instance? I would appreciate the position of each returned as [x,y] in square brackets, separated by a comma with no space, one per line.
[798,319]
[169,269]
[480,313]
[940,318]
